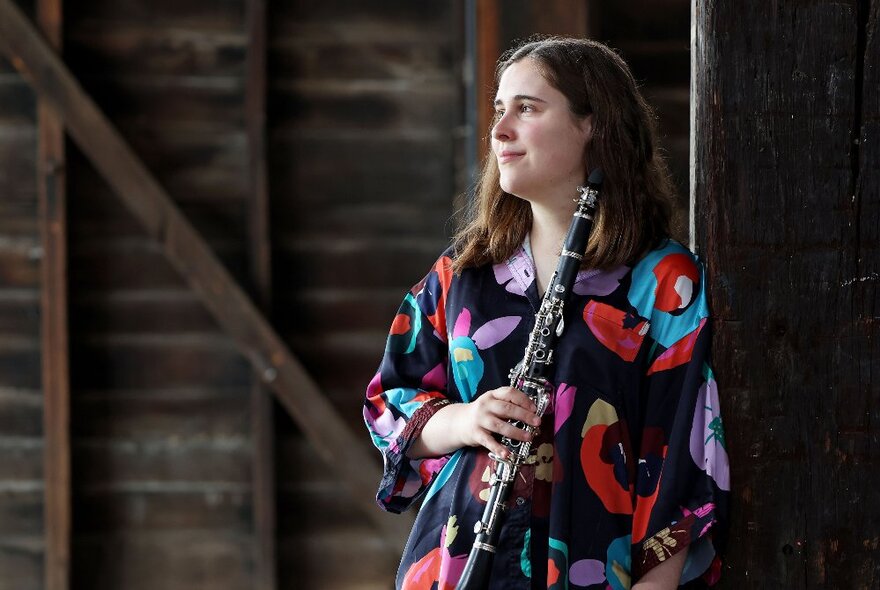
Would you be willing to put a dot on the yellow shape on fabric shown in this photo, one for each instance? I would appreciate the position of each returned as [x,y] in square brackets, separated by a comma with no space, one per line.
[451,530]
[487,475]
[622,575]
[463,354]
[660,543]
[544,470]
[601,412]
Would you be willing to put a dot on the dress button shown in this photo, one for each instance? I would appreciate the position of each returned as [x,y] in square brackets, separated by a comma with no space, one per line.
[520,501]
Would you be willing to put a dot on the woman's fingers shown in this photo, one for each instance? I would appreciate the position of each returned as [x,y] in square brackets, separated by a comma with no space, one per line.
[514,396]
[511,411]
[488,441]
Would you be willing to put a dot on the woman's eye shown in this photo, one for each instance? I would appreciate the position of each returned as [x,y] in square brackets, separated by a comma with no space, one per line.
[526,108]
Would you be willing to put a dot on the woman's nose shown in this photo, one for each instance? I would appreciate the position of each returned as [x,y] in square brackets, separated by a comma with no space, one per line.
[502,130]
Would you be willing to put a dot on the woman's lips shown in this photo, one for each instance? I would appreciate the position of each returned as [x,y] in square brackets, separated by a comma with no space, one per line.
[507,156]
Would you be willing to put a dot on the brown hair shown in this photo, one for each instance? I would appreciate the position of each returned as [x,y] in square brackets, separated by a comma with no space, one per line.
[636,203]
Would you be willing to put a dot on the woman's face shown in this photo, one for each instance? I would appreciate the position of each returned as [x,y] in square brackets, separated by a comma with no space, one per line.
[538,142]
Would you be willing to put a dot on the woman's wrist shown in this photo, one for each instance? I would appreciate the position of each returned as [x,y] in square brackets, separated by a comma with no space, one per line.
[441,434]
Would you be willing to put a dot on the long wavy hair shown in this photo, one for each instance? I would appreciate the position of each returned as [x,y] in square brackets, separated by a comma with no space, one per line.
[635,210]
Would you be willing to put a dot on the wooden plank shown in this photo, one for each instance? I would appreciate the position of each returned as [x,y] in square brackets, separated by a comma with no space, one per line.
[259,250]
[52,194]
[187,559]
[24,556]
[336,444]
[785,199]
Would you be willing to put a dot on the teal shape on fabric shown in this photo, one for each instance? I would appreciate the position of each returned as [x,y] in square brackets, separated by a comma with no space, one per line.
[467,366]
[406,343]
[524,562]
[444,475]
[561,547]
[619,552]
[708,375]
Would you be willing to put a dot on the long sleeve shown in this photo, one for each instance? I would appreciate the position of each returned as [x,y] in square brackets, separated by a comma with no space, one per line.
[409,387]
[683,478]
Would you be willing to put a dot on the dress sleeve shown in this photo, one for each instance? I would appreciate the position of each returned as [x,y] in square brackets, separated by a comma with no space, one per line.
[683,480]
[409,387]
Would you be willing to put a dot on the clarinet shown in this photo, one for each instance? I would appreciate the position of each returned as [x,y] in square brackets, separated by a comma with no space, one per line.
[531,376]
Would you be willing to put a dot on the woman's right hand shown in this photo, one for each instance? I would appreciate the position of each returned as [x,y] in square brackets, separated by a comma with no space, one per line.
[488,416]
[476,424]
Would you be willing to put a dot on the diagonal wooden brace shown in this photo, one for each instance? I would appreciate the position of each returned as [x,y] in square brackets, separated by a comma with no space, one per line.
[130,180]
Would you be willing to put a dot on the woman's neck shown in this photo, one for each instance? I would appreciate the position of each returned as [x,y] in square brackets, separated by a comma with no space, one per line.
[549,226]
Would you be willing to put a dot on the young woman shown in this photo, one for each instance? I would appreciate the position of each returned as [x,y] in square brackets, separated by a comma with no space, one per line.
[629,480]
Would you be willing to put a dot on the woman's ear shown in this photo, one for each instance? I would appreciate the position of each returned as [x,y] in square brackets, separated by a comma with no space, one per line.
[586,127]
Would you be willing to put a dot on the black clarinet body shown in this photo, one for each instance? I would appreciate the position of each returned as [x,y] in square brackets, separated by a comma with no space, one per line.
[532,376]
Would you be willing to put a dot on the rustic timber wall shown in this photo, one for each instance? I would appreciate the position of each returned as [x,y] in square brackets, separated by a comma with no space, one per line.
[365,101]
[162,447]
[787,196]
[364,142]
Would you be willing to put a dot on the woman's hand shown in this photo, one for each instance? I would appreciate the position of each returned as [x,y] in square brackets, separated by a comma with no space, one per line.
[476,424]
[488,415]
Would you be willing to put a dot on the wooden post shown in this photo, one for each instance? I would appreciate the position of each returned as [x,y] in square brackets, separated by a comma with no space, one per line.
[332,439]
[488,52]
[786,199]
[52,197]
[259,246]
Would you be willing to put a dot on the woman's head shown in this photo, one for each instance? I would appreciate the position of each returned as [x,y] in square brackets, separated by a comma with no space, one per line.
[603,98]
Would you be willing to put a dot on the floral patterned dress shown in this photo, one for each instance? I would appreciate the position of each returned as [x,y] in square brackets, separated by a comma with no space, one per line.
[630,466]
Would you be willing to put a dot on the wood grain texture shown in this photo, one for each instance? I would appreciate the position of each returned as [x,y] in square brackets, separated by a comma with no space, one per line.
[786,216]
[195,261]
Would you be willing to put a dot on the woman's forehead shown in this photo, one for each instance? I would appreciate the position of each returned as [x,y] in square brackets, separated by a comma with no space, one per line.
[524,77]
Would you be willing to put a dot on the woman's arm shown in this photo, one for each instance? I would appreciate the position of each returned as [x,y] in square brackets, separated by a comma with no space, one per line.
[475,424]
[665,575]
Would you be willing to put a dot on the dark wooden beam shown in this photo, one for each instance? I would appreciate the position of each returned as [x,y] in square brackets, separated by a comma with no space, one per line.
[52,197]
[786,200]
[259,250]
[333,440]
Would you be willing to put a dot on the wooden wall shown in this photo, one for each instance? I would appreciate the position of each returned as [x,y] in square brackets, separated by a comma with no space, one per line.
[365,121]
[365,104]
[161,440]
[363,107]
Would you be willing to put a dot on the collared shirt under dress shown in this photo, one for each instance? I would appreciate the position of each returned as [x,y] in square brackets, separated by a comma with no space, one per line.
[630,465]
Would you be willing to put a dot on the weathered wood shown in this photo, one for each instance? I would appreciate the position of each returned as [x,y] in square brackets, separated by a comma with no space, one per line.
[24,556]
[194,260]
[140,413]
[186,559]
[51,164]
[259,247]
[786,193]
[21,413]
[488,51]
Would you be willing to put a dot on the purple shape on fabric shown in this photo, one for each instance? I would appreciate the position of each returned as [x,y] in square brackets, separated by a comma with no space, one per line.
[435,379]
[462,323]
[516,274]
[586,572]
[591,282]
[564,404]
[494,331]
[707,442]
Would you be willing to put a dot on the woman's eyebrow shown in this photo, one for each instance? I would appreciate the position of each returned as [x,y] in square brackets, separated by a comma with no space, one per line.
[498,101]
